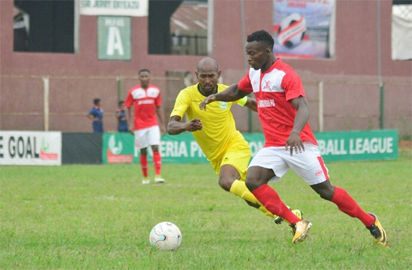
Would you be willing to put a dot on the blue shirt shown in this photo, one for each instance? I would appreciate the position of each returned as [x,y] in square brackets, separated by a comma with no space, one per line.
[122,124]
[97,124]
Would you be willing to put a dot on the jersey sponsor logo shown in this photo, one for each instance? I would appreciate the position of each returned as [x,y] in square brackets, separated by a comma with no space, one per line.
[269,86]
[318,173]
[272,82]
[223,105]
[266,85]
[265,103]
[145,101]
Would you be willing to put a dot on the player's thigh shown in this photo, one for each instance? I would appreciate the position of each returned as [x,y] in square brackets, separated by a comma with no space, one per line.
[267,165]
[309,165]
[153,135]
[238,157]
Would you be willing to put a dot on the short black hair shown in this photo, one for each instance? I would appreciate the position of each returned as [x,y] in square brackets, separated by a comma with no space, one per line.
[262,36]
[144,70]
[96,101]
[121,102]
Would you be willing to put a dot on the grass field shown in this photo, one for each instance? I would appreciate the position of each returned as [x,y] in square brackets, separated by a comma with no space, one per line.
[100,217]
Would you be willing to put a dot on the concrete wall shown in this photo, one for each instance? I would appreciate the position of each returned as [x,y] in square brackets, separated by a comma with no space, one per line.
[351,88]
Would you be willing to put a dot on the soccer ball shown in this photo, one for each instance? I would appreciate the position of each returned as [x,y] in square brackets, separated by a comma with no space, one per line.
[165,236]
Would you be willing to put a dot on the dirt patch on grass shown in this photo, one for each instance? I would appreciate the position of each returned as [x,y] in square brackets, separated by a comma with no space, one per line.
[405,144]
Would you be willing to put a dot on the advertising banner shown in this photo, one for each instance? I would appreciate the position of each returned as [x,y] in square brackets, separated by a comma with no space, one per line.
[30,148]
[358,145]
[135,8]
[304,28]
[118,148]
[182,148]
[114,38]
[334,146]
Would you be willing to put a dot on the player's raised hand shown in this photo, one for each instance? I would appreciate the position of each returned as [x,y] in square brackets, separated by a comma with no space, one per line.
[294,142]
[208,100]
[194,125]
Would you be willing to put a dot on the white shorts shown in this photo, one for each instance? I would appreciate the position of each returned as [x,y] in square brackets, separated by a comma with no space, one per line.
[309,165]
[147,136]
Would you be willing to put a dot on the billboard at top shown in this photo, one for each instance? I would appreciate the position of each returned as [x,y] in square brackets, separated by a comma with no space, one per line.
[135,8]
[304,28]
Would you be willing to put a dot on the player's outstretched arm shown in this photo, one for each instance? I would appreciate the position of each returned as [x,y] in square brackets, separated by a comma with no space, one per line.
[231,93]
[251,104]
[294,142]
[129,120]
[159,113]
[175,127]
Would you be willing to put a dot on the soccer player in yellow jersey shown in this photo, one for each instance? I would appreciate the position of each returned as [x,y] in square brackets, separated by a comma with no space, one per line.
[215,131]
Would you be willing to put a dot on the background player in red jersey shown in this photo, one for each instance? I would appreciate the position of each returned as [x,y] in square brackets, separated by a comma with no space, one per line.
[290,143]
[147,102]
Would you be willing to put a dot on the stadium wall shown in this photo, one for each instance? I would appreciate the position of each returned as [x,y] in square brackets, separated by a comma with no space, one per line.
[350,79]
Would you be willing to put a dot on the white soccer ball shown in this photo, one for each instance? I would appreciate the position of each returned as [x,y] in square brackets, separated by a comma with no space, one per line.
[165,236]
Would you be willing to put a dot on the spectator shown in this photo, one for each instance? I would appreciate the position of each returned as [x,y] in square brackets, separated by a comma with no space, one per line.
[121,118]
[96,115]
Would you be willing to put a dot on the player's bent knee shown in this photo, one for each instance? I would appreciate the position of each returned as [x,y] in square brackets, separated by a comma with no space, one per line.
[225,183]
[326,194]
[251,184]
[325,190]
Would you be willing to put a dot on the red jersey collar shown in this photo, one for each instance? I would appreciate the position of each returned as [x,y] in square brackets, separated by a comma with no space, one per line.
[272,67]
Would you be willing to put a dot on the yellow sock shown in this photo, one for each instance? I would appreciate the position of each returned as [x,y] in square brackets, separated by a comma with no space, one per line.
[239,189]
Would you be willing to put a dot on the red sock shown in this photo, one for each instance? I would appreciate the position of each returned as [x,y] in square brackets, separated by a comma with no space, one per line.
[157,160]
[271,200]
[143,163]
[348,205]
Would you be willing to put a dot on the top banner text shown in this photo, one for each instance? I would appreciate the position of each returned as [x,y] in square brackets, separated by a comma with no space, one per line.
[135,8]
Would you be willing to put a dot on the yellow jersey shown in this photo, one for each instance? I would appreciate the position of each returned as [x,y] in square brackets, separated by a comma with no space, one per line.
[219,127]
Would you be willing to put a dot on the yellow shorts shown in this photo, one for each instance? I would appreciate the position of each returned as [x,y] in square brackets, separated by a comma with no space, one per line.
[238,155]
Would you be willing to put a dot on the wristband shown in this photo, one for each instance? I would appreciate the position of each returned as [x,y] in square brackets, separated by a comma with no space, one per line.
[242,101]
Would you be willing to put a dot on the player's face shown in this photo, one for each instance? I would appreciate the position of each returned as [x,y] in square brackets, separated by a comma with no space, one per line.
[144,78]
[207,78]
[257,54]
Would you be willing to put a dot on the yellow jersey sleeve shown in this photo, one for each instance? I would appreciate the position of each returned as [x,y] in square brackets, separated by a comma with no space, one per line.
[219,127]
[182,103]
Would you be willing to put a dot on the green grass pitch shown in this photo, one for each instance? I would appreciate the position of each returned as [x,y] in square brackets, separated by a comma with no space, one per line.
[100,217]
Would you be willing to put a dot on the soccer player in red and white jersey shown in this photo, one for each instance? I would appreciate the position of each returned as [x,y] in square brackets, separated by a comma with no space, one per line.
[147,102]
[290,143]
